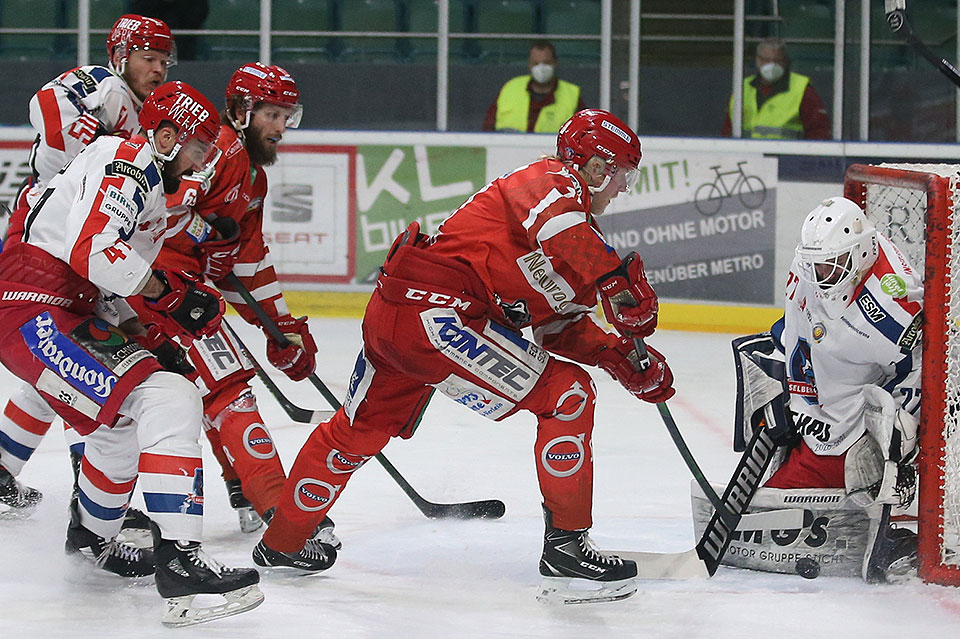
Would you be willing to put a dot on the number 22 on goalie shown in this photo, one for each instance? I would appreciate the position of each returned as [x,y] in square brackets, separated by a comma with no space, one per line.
[792,281]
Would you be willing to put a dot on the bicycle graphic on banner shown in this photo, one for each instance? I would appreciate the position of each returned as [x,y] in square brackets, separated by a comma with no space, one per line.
[750,190]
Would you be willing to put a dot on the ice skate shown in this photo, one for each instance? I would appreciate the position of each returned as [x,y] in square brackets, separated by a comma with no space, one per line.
[575,571]
[184,571]
[111,555]
[322,533]
[249,519]
[16,500]
[891,555]
[315,556]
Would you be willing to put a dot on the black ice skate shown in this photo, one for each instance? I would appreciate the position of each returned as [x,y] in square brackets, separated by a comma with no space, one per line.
[249,519]
[570,562]
[315,556]
[322,533]
[184,571]
[135,530]
[16,500]
[111,555]
[891,555]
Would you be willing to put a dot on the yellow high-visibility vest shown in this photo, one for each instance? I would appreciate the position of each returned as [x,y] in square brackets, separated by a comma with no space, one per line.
[779,117]
[513,106]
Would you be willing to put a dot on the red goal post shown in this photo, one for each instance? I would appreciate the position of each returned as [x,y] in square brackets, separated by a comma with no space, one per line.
[915,205]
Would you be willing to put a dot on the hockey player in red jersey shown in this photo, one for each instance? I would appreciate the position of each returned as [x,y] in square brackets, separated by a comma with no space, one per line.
[216,228]
[447,314]
[68,113]
[65,327]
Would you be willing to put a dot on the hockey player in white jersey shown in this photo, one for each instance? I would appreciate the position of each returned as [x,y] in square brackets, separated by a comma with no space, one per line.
[68,113]
[90,241]
[851,351]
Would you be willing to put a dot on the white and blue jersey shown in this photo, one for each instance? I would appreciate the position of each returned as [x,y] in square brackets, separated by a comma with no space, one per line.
[876,340]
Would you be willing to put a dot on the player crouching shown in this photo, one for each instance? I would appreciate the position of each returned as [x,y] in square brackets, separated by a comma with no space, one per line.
[836,384]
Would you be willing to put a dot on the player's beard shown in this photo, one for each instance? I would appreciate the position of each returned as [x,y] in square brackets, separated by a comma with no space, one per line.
[260,154]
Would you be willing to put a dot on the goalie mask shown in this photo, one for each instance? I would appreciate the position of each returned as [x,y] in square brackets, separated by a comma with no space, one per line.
[838,246]
[256,82]
[133,31]
[595,132]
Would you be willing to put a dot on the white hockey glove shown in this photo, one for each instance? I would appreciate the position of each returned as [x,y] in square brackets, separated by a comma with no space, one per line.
[895,431]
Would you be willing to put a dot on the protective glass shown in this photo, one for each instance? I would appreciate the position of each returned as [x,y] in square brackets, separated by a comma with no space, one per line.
[199,152]
[623,177]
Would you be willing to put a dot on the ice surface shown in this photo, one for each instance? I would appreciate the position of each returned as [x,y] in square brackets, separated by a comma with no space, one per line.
[402,575]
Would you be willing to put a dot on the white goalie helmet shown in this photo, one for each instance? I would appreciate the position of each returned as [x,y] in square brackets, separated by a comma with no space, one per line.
[838,246]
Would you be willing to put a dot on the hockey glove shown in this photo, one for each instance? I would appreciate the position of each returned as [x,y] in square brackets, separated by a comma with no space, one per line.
[629,302]
[297,359]
[194,308]
[168,352]
[217,256]
[654,385]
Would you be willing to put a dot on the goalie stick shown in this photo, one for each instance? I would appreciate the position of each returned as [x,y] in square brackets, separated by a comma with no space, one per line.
[294,412]
[899,24]
[704,559]
[485,509]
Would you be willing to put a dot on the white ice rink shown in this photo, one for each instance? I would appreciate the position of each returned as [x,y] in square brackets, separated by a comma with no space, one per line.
[402,575]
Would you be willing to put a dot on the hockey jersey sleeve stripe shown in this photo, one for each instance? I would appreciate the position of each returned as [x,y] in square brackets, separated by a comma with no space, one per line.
[542,205]
[52,125]
[559,224]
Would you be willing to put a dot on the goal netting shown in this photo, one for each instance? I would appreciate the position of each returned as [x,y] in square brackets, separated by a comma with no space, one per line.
[915,205]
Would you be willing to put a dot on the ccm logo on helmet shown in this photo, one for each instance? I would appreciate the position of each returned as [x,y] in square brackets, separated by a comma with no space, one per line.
[438,299]
[183,108]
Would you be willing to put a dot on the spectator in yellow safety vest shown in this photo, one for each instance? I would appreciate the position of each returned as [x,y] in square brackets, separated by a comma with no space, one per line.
[537,102]
[779,104]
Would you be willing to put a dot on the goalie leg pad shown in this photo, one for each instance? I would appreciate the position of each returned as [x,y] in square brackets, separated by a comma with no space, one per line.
[836,539]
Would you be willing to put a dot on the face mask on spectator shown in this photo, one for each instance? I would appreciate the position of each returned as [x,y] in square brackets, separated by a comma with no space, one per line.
[771,71]
[542,72]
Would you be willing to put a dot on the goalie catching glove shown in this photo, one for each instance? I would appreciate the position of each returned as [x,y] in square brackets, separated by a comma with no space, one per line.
[653,384]
[195,309]
[296,358]
[629,302]
[217,256]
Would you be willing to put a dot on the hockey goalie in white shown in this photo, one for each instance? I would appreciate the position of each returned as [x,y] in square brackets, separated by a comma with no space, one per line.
[837,383]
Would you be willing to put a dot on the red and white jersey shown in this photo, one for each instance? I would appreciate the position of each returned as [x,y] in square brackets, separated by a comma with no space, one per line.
[547,263]
[70,111]
[105,215]
[876,340]
[229,187]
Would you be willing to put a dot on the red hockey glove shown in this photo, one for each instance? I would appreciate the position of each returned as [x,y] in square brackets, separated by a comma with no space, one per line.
[217,256]
[194,308]
[629,302]
[654,385]
[297,359]
[168,352]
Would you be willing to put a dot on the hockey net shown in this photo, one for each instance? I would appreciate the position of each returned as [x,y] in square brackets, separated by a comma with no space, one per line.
[916,205]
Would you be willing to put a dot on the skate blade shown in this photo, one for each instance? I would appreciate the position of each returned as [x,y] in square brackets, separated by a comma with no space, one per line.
[560,591]
[12,513]
[179,611]
[249,520]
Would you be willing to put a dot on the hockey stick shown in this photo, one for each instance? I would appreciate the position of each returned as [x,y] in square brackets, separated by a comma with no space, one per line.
[486,509]
[899,24]
[729,511]
[294,412]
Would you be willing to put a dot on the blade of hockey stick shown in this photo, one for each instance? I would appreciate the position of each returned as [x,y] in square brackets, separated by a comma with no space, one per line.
[485,509]
[294,412]
[743,485]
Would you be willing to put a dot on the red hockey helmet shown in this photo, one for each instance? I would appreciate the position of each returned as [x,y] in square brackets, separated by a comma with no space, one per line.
[256,82]
[133,31]
[595,132]
[196,119]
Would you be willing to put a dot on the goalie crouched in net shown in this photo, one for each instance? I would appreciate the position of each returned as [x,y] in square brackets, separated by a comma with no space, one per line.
[837,382]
